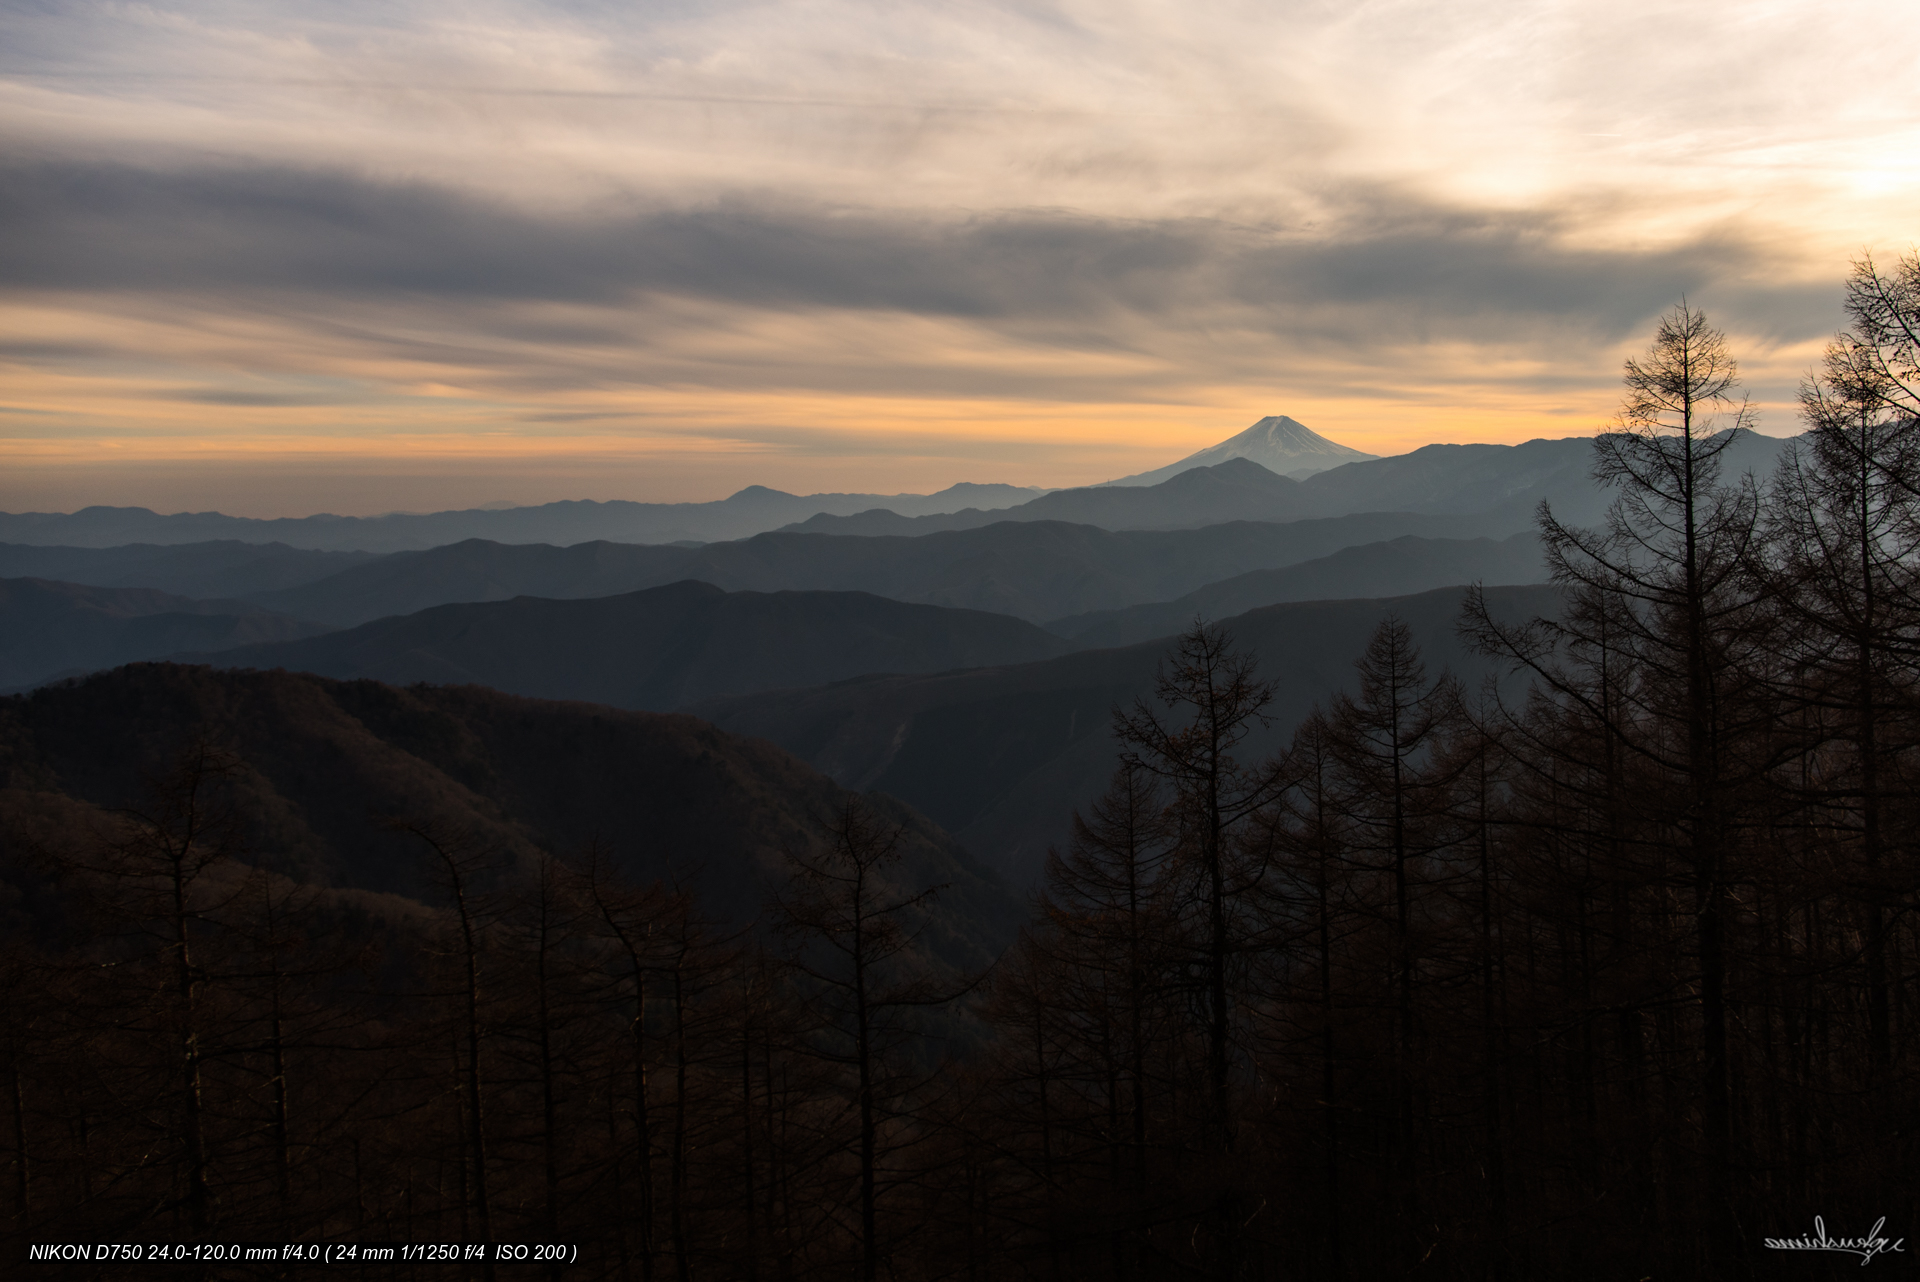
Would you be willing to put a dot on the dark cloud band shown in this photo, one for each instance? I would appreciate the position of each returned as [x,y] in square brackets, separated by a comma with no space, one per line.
[1386,264]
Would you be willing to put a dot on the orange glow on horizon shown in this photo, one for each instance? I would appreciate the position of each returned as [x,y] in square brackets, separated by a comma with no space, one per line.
[857,248]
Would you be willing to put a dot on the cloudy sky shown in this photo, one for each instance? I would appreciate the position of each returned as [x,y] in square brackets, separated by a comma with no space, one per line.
[276,258]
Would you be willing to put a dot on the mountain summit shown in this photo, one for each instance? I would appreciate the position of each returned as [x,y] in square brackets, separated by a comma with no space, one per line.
[1277,443]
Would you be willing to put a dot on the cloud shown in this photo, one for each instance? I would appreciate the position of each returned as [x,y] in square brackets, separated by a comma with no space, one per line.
[731,219]
[1388,263]
[261,291]
[249,400]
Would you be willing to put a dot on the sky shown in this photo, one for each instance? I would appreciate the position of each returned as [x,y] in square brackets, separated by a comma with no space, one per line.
[273,258]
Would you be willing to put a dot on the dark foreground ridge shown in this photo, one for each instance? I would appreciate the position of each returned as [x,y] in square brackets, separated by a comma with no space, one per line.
[327,763]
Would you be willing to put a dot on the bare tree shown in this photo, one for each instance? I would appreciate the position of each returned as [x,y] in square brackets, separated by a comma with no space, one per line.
[159,882]
[1106,901]
[1381,740]
[853,930]
[1876,360]
[1667,583]
[460,867]
[1210,701]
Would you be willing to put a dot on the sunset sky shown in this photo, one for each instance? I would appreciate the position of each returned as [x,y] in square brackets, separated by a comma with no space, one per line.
[276,258]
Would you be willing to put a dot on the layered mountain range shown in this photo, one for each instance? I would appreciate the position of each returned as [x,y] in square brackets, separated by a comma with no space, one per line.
[1251,484]
[961,651]
[660,648]
[751,510]
[50,629]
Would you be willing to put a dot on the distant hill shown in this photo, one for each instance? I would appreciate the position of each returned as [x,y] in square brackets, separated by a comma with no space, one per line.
[1002,756]
[1277,443]
[660,648]
[748,512]
[1034,570]
[48,628]
[481,570]
[327,762]
[224,568]
[1397,567]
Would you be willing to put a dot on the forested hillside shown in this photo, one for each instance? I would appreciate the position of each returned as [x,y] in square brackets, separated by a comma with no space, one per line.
[1001,756]
[1396,567]
[292,959]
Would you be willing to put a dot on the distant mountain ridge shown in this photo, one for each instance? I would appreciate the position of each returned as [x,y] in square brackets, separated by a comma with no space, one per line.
[1237,490]
[1280,444]
[1394,567]
[740,515]
[1032,570]
[225,568]
[658,649]
[1507,482]
[662,647]
[1492,480]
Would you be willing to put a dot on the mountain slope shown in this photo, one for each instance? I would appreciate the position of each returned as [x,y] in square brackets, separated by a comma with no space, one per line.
[1503,479]
[1237,489]
[1397,567]
[1277,443]
[1002,756]
[662,647]
[221,569]
[327,763]
[1033,570]
[49,628]
[479,570]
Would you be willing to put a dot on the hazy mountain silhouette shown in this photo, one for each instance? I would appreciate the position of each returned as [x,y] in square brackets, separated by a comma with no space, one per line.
[480,570]
[660,648]
[48,629]
[1277,443]
[748,512]
[1397,567]
[225,568]
[1236,490]
[1481,479]
[1032,570]
[1507,482]
[1512,479]
[328,762]
[1001,756]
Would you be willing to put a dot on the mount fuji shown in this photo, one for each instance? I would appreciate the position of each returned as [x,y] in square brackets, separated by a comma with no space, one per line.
[1277,443]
